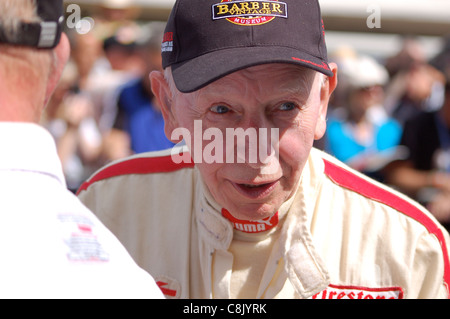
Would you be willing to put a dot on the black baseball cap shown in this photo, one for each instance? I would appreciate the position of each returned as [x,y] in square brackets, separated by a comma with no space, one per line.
[205,40]
[43,35]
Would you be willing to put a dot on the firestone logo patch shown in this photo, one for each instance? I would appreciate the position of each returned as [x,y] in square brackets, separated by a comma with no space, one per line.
[249,13]
[353,292]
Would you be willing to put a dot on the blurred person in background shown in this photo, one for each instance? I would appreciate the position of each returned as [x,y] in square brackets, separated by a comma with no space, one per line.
[120,50]
[80,115]
[72,114]
[442,60]
[116,13]
[51,245]
[415,85]
[138,113]
[87,56]
[103,62]
[360,132]
[425,173]
[70,118]
[80,145]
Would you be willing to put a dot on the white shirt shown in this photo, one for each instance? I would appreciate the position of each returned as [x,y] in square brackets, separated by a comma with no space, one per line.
[51,246]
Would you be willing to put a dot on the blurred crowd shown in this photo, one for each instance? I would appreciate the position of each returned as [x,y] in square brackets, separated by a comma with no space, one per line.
[103,108]
[388,119]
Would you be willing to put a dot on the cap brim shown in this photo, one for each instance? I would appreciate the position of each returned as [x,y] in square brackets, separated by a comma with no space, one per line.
[196,73]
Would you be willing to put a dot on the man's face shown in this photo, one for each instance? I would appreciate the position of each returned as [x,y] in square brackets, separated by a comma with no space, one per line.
[280,98]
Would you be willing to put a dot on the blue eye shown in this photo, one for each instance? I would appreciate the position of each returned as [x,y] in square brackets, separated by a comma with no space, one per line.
[288,106]
[220,109]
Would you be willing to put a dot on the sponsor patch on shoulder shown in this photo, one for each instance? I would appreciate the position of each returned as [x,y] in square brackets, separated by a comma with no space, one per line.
[355,292]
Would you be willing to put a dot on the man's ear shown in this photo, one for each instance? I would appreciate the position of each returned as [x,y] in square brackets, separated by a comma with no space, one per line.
[61,56]
[164,98]
[325,93]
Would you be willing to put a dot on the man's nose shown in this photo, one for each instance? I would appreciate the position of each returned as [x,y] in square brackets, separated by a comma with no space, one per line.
[258,147]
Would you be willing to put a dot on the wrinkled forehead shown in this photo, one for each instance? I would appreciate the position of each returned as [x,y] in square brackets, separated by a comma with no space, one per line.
[277,77]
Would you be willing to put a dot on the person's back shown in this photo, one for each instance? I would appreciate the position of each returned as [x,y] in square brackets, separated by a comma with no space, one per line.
[51,245]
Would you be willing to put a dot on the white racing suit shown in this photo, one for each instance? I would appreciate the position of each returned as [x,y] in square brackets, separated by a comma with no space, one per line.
[344,235]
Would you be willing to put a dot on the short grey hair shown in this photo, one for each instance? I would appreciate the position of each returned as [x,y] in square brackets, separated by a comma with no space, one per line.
[169,79]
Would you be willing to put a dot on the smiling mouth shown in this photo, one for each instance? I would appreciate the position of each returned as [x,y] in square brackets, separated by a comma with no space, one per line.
[255,191]
[253,186]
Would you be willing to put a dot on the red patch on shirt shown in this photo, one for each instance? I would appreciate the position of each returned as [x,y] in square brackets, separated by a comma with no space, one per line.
[256,226]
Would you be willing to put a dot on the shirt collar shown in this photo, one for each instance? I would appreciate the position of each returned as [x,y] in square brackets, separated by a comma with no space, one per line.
[217,230]
[305,268]
[220,226]
[29,147]
[211,218]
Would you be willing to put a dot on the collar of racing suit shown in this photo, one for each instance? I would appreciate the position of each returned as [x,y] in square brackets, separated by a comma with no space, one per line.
[303,265]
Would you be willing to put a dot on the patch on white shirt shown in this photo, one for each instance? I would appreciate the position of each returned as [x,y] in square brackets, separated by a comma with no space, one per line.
[257,226]
[354,292]
[81,240]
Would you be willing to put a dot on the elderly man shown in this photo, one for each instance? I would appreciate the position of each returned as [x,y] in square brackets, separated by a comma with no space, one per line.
[212,220]
[51,245]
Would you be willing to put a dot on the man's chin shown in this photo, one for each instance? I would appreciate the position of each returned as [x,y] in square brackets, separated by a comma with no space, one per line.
[253,212]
